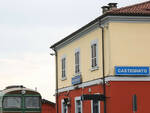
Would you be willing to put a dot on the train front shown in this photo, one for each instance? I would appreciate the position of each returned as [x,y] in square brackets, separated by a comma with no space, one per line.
[18,99]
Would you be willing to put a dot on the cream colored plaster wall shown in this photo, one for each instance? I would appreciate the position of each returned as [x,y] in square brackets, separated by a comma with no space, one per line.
[129,44]
[84,44]
[126,44]
[107,50]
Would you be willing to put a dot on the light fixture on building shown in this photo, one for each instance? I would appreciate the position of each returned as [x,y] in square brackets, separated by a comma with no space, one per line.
[23,92]
[67,101]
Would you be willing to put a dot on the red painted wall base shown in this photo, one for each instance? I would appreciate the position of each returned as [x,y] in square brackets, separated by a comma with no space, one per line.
[119,96]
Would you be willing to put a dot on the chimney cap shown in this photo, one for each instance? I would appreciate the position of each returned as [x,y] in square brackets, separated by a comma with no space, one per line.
[112,4]
[109,7]
[105,7]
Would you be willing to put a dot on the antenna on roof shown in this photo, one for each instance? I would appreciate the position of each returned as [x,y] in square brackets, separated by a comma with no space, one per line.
[35,88]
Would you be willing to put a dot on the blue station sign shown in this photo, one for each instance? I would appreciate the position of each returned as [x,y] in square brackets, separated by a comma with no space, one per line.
[132,70]
[76,80]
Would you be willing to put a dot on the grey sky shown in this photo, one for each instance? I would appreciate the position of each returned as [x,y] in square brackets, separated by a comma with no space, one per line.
[29,27]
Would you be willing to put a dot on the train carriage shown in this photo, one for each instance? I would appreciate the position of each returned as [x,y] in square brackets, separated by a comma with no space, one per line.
[19,99]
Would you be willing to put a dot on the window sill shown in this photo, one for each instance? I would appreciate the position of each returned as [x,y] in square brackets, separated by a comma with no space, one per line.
[94,68]
[76,74]
[64,78]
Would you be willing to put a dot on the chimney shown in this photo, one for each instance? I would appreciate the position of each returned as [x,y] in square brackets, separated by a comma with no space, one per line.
[105,9]
[112,6]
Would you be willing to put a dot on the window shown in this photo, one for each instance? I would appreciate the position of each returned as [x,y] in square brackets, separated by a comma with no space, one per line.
[94,62]
[77,61]
[78,105]
[12,102]
[32,102]
[64,107]
[95,106]
[63,61]
[94,54]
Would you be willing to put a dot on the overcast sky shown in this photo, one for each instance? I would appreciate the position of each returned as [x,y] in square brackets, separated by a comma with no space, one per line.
[29,27]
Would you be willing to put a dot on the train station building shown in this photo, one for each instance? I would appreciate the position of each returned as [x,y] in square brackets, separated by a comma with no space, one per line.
[104,67]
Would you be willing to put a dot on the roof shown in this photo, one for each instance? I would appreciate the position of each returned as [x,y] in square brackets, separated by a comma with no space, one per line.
[13,88]
[10,89]
[140,9]
[44,101]
[74,33]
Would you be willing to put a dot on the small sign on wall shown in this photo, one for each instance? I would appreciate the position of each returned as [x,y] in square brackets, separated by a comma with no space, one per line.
[132,70]
[76,80]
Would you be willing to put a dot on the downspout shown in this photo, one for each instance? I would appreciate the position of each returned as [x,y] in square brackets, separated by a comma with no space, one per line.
[103,64]
[56,63]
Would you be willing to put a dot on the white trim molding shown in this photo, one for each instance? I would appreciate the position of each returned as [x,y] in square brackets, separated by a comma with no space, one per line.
[124,78]
[77,49]
[107,79]
[127,19]
[85,84]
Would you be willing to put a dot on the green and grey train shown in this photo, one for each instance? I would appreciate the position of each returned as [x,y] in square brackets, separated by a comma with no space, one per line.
[18,99]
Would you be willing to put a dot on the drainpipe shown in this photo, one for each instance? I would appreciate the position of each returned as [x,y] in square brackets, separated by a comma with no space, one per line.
[56,63]
[103,64]
[56,60]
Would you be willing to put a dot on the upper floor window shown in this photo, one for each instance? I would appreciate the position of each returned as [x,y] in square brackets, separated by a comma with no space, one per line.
[77,61]
[63,64]
[78,105]
[94,54]
[12,102]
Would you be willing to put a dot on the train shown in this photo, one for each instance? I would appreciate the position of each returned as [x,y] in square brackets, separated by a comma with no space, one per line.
[19,99]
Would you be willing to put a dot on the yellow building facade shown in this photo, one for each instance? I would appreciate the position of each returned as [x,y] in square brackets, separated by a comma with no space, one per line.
[84,45]
[126,44]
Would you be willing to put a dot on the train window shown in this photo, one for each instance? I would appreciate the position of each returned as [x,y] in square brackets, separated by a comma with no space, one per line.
[12,102]
[32,102]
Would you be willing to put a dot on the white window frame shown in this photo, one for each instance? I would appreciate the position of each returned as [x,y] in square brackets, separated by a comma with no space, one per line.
[78,98]
[92,43]
[62,106]
[63,77]
[99,108]
[77,50]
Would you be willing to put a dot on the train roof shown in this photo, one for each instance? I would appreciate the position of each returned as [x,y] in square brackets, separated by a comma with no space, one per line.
[15,88]
[10,89]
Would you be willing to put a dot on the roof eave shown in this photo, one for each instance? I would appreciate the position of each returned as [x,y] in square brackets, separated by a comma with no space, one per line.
[90,23]
[74,33]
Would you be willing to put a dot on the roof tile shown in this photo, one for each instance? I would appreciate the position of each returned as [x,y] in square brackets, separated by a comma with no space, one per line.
[137,9]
